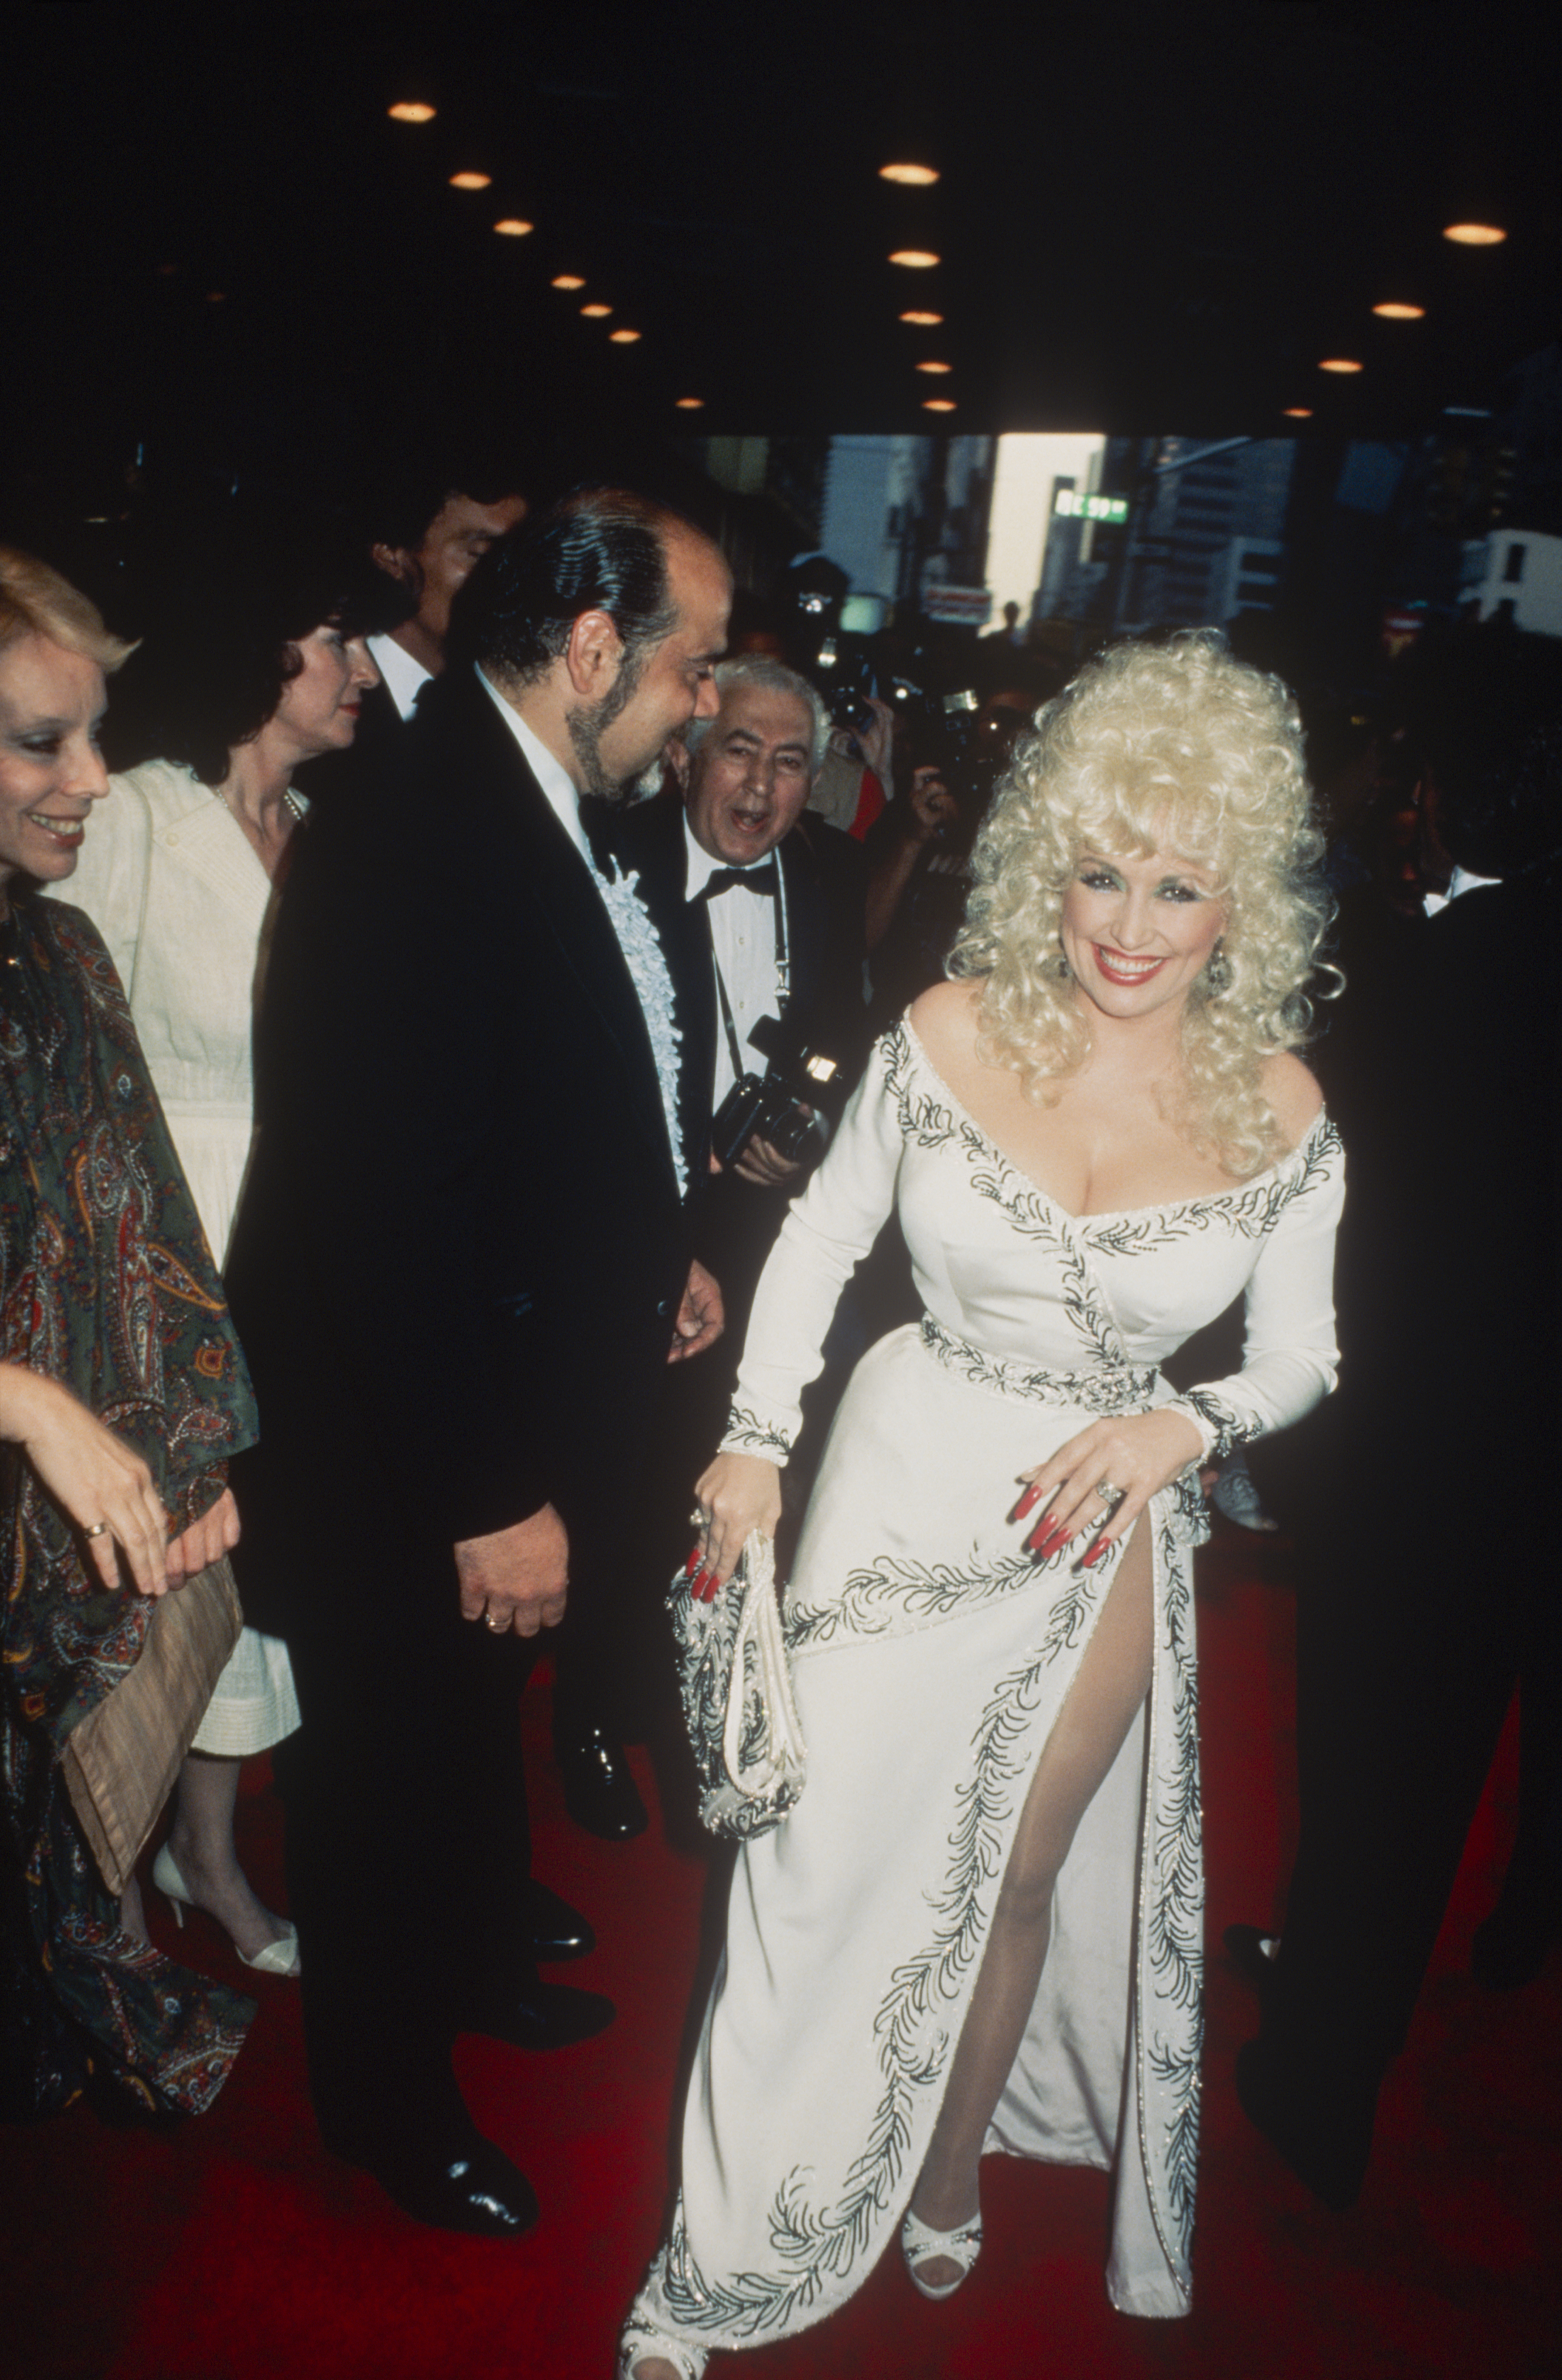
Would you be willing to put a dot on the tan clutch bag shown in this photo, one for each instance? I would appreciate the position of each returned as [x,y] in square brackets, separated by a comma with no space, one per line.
[121,1760]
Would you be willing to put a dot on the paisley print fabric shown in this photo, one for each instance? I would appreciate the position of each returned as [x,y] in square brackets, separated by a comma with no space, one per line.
[106,1285]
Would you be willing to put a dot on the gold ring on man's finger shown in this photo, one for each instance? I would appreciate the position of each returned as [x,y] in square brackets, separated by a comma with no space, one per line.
[498,1626]
[95,1529]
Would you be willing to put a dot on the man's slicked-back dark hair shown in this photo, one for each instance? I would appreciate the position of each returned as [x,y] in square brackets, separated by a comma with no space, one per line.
[598,549]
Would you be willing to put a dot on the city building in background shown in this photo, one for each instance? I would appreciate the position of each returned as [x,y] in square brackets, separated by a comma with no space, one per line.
[907,519]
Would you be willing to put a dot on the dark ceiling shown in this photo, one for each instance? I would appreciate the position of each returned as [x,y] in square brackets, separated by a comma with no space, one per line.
[1151,218]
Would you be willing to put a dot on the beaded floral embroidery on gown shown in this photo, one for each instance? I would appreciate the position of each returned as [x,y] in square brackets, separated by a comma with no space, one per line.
[931,1657]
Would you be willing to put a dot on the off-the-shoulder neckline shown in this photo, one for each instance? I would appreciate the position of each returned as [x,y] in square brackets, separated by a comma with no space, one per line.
[1107,1214]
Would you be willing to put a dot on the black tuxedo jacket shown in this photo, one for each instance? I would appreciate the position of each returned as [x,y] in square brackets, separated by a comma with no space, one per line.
[461,1251]
[366,758]
[825,887]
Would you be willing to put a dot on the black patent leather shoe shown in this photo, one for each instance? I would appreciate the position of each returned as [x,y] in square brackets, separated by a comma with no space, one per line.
[1245,1948]
[600,1793]
[557,1931]
[536,2015]
[469,2187]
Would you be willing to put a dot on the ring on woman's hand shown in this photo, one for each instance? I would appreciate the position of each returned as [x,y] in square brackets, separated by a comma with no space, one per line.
[1109,1494]
[498,1626]
[696,1518]
[95,1529]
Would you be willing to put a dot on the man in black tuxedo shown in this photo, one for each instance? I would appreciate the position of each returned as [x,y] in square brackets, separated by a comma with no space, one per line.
[427,525]
[764,904]
[460,1268]
[1419,1500]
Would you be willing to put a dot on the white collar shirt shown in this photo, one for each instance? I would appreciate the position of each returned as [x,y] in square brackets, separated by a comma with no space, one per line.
[404,678]
[1461,880]
[742,938]
[557,785]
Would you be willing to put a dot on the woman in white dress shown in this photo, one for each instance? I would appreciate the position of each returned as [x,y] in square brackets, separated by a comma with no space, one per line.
[260,665]
[980,1928]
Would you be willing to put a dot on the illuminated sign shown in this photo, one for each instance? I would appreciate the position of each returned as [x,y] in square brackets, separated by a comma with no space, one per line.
[1068,504]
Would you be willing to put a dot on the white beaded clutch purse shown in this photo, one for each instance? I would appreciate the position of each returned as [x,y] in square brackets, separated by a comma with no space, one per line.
[738,1706]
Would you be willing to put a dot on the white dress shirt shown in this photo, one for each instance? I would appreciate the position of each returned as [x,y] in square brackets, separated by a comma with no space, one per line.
[1461,880]
[404,678]
[550,773]
[743,936]
[627,914]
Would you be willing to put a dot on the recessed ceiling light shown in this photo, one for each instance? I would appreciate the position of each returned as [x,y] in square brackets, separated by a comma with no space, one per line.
[514,226]
[689,404]
[596,313]
[919,177]
[919,258]
[412,111]
[1299,412]
[1339,364]
[568,281]
[938,404]
[1474,234]
[926,319]
[935,367]
[1392,312]
[471,181]
[624,338]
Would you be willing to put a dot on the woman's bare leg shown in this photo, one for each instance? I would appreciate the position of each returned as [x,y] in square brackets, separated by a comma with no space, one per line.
[202,1842]
[1101,1706]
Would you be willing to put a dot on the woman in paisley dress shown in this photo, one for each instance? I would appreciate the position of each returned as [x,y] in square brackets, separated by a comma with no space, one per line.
[123,1395]
[980,1929]
[259,663]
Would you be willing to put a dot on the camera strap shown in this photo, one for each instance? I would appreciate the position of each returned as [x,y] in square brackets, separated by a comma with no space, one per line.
[783,978]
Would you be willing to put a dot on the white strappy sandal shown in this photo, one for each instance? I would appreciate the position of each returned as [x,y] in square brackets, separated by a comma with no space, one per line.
[640,2338]
[920,2244]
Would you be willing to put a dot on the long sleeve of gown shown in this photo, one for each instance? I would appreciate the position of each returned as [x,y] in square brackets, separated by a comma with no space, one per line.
[1290,1356]
[828,1231]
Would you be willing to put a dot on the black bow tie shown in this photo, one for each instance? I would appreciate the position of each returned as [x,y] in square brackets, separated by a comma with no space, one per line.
[761,878]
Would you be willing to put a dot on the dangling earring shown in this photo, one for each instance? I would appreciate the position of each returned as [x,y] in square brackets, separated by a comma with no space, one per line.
[1059,966]
[1217,971]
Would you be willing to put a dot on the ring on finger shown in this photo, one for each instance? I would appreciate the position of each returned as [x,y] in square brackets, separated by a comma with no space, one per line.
[95,1529]
[498,1626]
[1110,1495]
[696,1518]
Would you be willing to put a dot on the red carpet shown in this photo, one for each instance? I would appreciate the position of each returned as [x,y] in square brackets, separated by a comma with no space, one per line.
[235,2250]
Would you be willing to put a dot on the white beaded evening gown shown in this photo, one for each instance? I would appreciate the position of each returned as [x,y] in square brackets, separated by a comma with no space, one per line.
[931,1657]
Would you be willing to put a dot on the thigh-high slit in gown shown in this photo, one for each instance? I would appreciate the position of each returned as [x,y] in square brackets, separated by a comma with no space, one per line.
[931,1657]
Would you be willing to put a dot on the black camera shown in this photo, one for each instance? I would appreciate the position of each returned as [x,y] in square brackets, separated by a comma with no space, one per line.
[772,1104]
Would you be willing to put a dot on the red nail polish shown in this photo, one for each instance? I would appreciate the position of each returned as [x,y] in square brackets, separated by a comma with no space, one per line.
[1027,1503]
[1101,1546]
[707,1587]
[696,1561]
[1045,1538]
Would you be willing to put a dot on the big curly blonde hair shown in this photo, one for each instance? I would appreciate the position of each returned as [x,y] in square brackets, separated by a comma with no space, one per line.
[1172,747]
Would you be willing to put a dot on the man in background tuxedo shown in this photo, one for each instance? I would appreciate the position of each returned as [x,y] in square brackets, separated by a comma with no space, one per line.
[461,1266]
[427,525]
[764,904]
[1417,1495]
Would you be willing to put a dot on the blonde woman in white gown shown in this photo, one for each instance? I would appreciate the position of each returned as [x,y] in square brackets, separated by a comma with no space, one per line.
[980,1930]
[261,667]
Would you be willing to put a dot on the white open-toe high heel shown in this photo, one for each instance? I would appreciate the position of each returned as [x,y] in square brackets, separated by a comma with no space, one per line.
[920,2244]
[640,2338]
[278,1957]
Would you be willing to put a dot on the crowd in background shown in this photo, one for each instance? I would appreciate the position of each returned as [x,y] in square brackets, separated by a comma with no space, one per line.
[283,646]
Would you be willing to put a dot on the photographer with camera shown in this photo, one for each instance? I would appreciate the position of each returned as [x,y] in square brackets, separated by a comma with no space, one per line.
[743,869]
